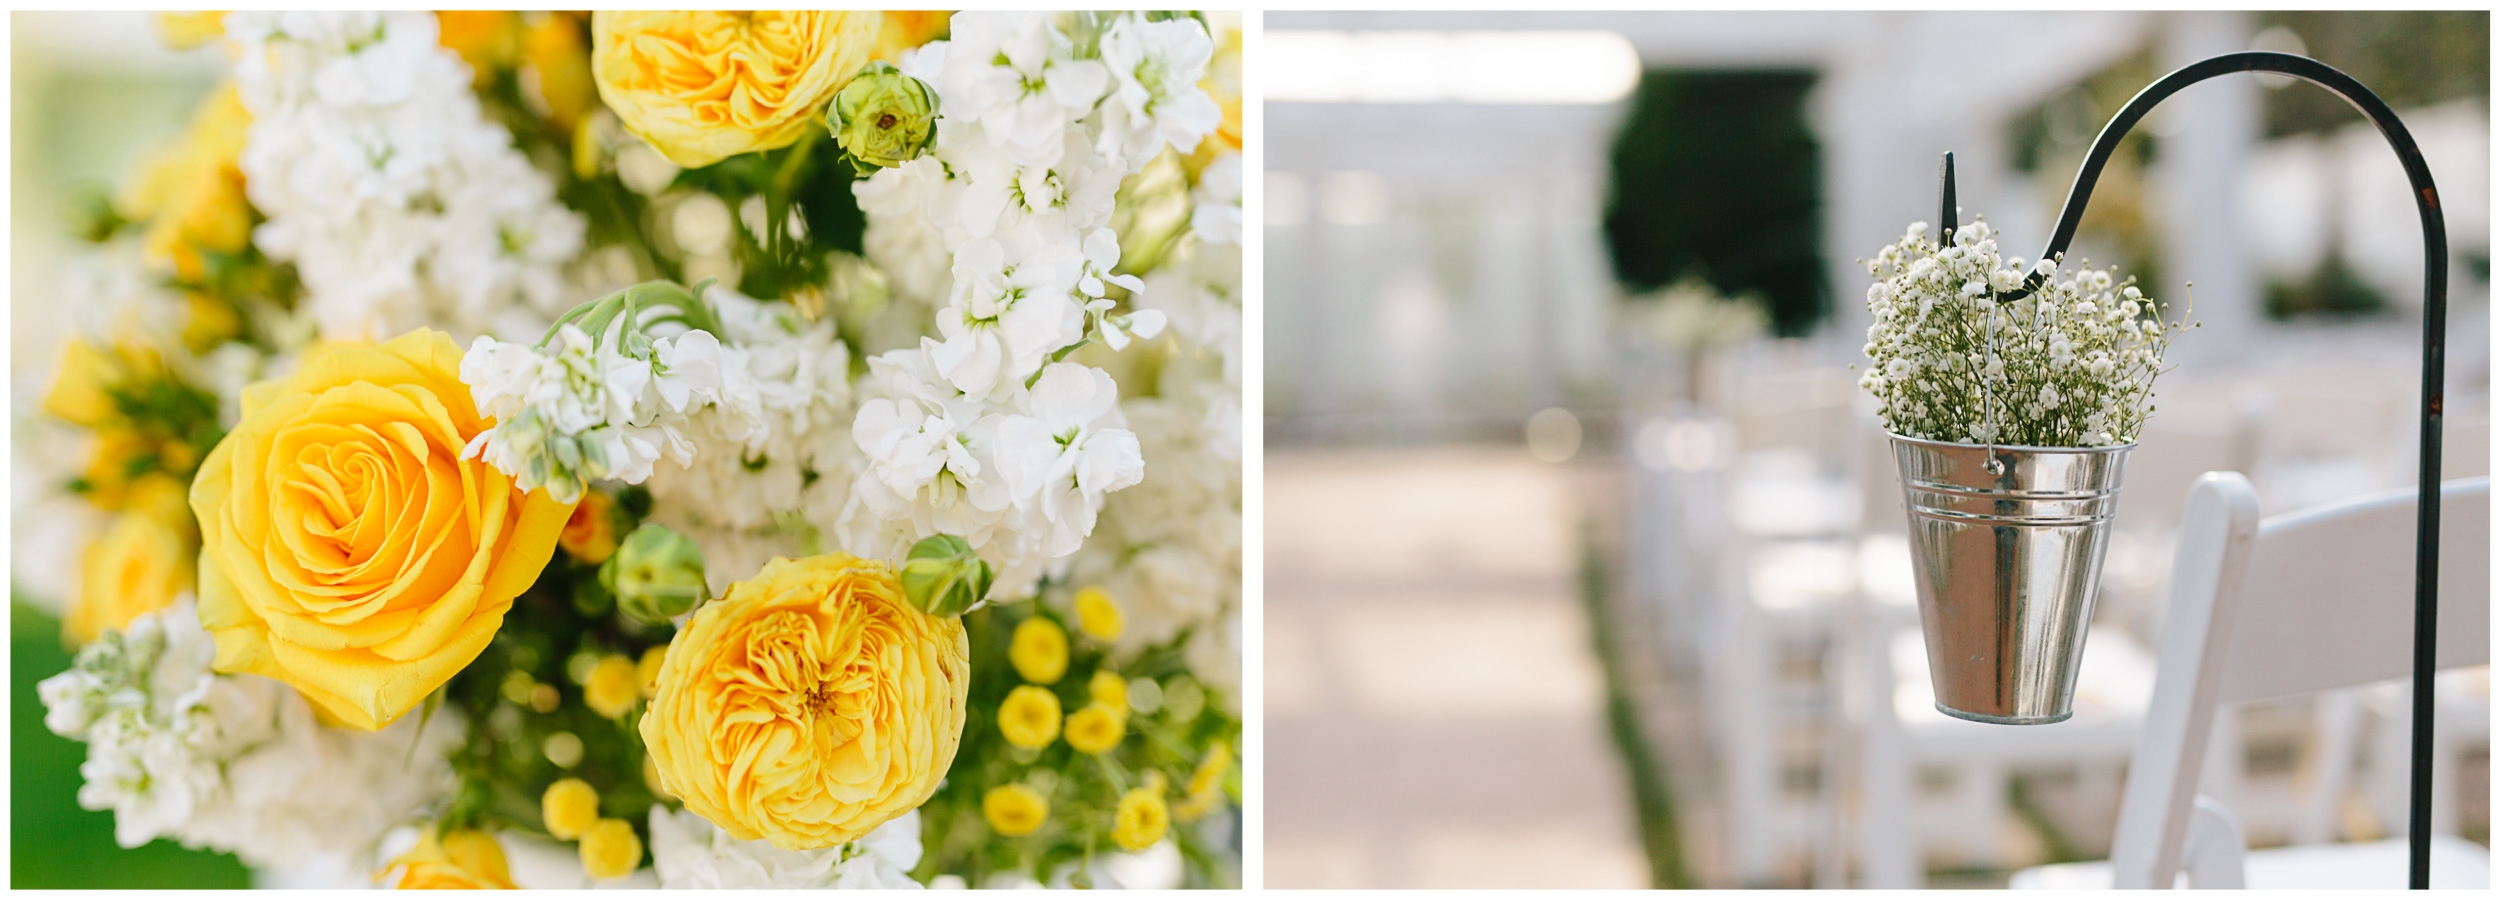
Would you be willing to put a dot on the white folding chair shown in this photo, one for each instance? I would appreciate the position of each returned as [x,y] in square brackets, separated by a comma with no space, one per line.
[2300,603]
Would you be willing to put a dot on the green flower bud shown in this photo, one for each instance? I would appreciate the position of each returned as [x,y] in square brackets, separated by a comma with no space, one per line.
[656,574]
[943,577]
[883,118]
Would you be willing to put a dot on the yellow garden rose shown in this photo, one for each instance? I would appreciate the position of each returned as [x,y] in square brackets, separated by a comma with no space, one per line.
[138,566]
[459,861]
[347,549]
[705,86]
[810,704]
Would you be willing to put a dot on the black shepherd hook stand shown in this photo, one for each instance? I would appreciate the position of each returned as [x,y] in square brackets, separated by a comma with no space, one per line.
[2434,348]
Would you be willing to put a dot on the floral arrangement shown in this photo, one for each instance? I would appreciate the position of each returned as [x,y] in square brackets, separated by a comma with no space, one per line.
[2069,365]
[793,449]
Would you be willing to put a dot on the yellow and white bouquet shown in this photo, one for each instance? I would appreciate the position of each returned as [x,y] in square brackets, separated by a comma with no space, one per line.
[793,449]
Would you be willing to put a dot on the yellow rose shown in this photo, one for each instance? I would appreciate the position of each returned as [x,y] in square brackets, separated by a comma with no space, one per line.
[555,49]
[906,29]
[138,566]
[1029,717]
[81,393]
[1095,729]
[590,533]
[612,687]
[705,86]
[1014,810]
[1039,650]
[347,549]
[1096,615]
[482,37]
[611,849]
[569,808]
[459,861]
[1109,689]
[1142,816]
[810,704]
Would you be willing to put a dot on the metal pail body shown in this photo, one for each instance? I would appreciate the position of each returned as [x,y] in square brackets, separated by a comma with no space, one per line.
[2008,567]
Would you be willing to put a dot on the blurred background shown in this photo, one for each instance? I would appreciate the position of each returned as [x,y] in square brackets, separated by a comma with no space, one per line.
[1584,559]
[63,69]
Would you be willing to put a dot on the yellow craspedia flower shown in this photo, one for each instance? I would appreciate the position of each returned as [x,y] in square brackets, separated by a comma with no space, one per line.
[347,548]
[185,30]
[1039,650]
[906,29]
[1096,729]
[821,669]
[1096,615]
[1029,717]
[1142,816]
[647,672]
[460,861]
[569,808]
[610,849]
[140,564]
[613,686]
[590,534]
[704,86]
[1109,689]
[1014,810]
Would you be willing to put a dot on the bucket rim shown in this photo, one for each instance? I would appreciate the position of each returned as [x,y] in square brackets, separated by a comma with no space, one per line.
[2025,448]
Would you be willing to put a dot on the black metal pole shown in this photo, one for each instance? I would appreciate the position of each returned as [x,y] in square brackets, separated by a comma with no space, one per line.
[2434,350]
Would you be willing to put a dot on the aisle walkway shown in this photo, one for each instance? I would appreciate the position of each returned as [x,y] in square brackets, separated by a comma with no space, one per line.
[1434,710]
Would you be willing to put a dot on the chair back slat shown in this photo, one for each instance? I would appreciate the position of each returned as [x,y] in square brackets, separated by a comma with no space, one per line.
[2329,598]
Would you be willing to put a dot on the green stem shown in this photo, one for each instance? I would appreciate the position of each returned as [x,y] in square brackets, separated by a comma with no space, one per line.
[777,197]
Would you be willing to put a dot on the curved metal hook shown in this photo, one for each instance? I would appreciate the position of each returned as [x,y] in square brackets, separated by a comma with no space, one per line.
[2434,343]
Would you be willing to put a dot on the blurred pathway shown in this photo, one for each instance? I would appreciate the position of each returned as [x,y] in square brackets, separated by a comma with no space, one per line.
[1434,712]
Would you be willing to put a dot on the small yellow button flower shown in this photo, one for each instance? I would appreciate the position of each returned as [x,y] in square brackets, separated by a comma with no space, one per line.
[569,807]
[1014,810]
[1142,816]
[1096,615]
[1029,717]
[614,684]
[1109,689]
[1039,651]
[1096,729]
[610,849]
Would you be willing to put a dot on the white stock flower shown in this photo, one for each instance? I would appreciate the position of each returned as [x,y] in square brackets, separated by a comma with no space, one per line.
[1007,314]
[1013,73]
[1155,68]
[1065,451]
[690,852]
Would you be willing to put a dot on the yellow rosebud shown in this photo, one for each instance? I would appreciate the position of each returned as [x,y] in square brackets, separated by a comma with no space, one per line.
[647,672]
[703,86]
[590,534]
[347,548]
[1029,717]
[190,194]
[1014,810]
[1096,729]
[139,566]
[906,29]
[81,392]
[1206,784]
[1109,689]
[614,684]
[569,807]
[1039,650]
[118,451]
[1096,615]
[821,654]
[1142,816]
[185,30]
[460,861]
[610,849]
[557,50]
[482,37]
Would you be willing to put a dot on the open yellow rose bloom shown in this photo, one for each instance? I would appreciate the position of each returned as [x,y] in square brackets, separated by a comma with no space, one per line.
[347,549]
[703,86]
[810,704]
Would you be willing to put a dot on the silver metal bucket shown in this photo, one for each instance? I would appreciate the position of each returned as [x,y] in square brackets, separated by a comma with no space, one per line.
[2008,567]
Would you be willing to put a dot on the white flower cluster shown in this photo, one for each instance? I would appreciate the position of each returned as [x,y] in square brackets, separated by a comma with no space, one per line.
[580,410]
[398,201]
[987,432]
[2070,365]
[691,852]
[231,762]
